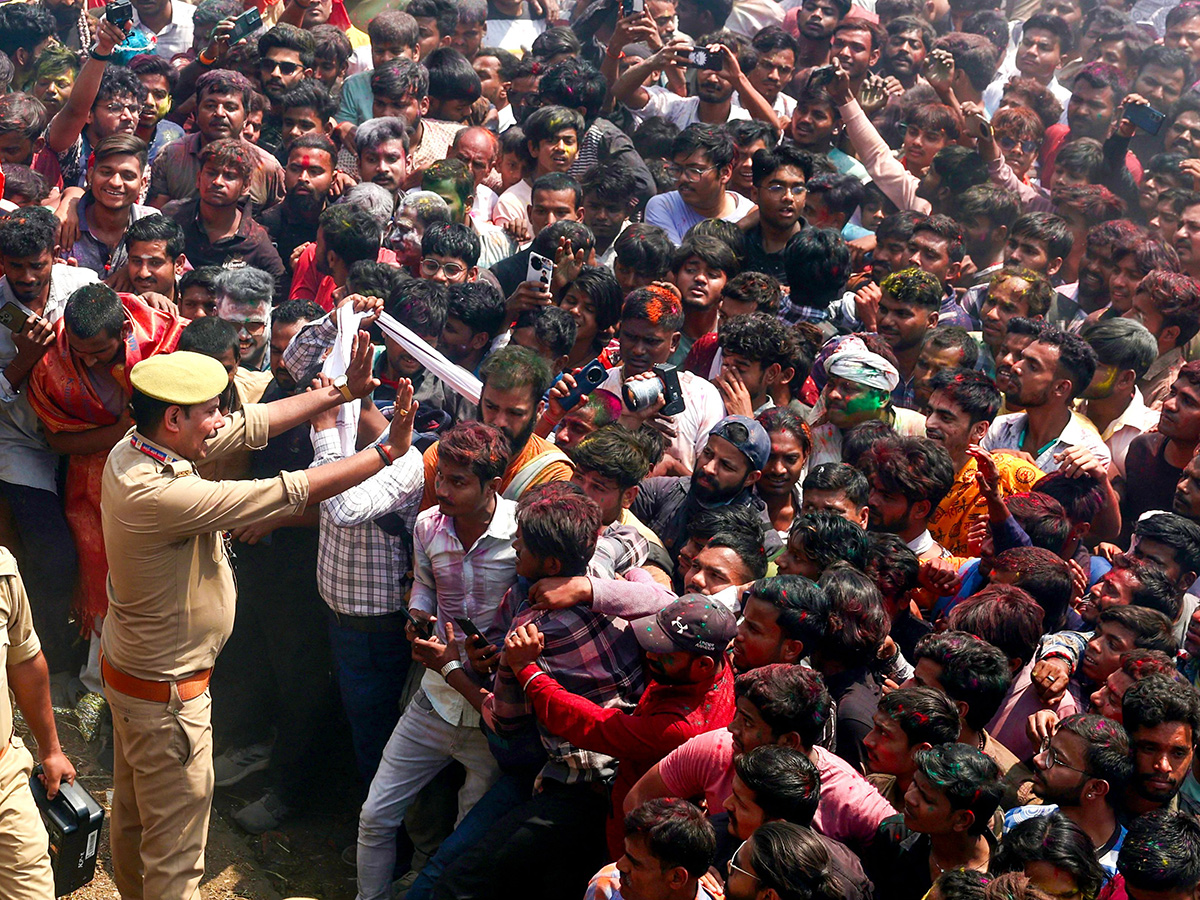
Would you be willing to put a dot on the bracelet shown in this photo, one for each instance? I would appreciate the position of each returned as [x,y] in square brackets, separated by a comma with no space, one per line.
[449,667]
[620,54]
[383,454]
[204,60]
[100,56]
[529,680]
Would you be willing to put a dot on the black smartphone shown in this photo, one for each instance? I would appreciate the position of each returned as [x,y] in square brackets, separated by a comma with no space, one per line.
[822,76]
[119,12]
[13,317]
[424,629]
[470,628]
[703,58]
[1147,118]
[245,24]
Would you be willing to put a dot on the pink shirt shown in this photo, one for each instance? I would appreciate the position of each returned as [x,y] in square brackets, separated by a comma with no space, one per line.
[1021,702]
[849,811]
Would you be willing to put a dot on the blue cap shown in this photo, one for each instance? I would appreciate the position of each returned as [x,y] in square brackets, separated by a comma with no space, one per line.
[756,444]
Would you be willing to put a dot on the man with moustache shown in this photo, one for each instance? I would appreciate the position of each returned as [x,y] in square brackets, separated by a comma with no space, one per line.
[286,55]
[514,382]
[307,178]
[859,389]
[155,258]
[1045,380]
[222,102]
[1082,770]
[909,40]
[1161,716]
[1158,457]
[725,473]
[779,176]
[813,24]
[382,145]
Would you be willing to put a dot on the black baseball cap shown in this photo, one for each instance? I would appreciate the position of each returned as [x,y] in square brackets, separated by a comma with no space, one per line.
[692,624]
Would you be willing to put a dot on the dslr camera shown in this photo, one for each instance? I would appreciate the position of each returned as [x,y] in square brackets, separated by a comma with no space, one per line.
[645,392]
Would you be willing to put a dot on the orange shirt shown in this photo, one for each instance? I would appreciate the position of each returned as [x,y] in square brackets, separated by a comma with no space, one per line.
[964,504]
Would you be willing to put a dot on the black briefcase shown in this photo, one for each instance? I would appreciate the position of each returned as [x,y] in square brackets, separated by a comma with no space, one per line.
[73,819]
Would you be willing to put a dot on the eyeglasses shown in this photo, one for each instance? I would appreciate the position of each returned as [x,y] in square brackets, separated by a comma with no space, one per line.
[430,267]
[691,173]
[285,68]
[117,107]
[1008,143]
[250,327]
[1052,759]
[734,867]
[778,190]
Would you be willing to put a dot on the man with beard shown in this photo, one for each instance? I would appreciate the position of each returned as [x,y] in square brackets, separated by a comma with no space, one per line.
[286,55]
[1083,771]
[1157,458]
[909,41]
[813,23]
[725,472]
[669,846]
[909,477]
[1050,373]
[514,382]
[155,259]
[1090,293]
[908,308]
[713,102]
[1113,403]
[779,177]
[382,145]
[1021,333]
[1096,96]
[1162,717]
[961,409]
[690,691]
[222,101]
[217,230]
[859,389]
[307,177]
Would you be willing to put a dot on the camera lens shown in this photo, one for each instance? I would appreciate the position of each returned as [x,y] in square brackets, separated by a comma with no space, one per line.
[642,393]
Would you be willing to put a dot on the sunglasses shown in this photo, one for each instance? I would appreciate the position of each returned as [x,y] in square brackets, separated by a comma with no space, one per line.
[285,68]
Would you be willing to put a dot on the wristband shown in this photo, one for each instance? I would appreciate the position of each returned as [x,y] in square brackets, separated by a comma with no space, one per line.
[529,680]
[100,56]
[204,60]
[384,455]
[449,667]
[619,55]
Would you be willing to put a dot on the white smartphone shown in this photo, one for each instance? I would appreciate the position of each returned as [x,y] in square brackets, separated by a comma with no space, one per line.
[541,269]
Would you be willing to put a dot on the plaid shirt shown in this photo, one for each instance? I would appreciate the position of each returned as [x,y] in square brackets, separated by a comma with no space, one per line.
[361,569]
[589,654]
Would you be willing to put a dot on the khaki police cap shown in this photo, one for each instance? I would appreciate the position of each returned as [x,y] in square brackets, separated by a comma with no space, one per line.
[181,377]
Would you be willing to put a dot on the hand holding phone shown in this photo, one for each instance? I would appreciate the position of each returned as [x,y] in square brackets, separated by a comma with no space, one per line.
[423,627]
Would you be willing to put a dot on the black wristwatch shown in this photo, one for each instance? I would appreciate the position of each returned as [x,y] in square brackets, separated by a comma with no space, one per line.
[100,56]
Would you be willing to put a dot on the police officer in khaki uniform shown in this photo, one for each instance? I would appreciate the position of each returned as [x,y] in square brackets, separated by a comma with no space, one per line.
[24,861]
[171,591]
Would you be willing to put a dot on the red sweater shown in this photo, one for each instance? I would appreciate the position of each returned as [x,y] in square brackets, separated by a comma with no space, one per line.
[665,717]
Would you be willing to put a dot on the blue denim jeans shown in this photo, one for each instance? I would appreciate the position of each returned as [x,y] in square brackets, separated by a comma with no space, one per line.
[507,792]
[371,668]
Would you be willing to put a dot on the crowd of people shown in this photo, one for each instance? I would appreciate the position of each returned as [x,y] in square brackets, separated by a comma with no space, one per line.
[677,449]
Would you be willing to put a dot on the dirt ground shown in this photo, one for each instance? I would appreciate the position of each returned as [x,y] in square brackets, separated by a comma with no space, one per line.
[301,860]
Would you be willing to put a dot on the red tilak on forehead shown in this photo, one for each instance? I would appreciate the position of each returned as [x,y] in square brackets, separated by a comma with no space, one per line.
[306,161]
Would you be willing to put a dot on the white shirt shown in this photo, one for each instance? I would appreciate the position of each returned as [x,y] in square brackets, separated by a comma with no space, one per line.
[682,111]
[670,212]
[783,106]
[1137,419]
[749,17]
[513,205]
[450,580]
[514,35]
[704,410]
[994,93]
[25,457]
[176,36]
[1007,431]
